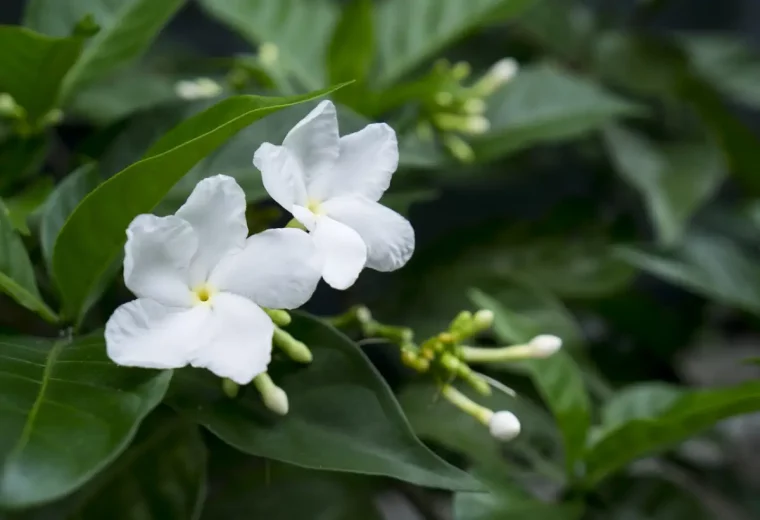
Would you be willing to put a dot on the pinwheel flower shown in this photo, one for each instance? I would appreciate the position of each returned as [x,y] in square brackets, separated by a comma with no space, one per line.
[331,185]
[201,283]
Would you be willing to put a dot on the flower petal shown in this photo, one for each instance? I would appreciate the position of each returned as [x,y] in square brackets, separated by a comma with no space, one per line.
[365,165]
[388,235]
[279,268]
[305,216]
[315,141]
[281,174]
[241,345]
[145,333]
[157,259]
[343,251]
[216,211]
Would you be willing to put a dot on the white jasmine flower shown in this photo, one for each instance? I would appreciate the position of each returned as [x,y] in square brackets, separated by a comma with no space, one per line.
[331,185]
[504,426]
[201,282]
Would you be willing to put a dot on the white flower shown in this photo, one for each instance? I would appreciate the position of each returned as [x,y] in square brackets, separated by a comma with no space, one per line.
[200,284]
[504,426]
[331,184]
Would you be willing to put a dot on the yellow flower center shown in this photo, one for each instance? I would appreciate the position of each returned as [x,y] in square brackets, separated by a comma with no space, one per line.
[202,294]
[314,206]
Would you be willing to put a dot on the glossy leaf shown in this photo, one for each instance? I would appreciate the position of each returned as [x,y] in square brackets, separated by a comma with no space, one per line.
[84,250]
[687,416]
[513,505]
[67,412]
[351,52]
[259,488]
[558,379]
[639,401]
[545,104]
[301,30]
[24,205]
[711,265]
[343,417]
[410,33]
[32,67]
[17,272]
[61,203]
[675,180]
[126,30]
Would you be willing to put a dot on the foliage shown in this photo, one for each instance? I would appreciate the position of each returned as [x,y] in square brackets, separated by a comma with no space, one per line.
[570,167]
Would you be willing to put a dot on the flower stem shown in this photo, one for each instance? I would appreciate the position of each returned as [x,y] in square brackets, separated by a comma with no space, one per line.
[467,405]
[487,355]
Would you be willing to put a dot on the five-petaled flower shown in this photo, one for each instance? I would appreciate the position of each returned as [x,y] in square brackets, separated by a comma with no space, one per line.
[200,282]
[331,184]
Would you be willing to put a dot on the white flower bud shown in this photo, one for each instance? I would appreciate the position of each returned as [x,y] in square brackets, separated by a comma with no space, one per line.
[504,70]
[504,426]
[478,125]
[200,88]
[474,106]
[483,319]
[269,53]
[545,345]
[276,400]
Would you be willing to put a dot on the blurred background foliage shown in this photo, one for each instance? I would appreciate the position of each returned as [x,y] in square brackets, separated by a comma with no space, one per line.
[611,200]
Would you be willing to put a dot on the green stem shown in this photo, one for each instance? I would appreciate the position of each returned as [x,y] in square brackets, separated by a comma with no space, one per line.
[467,405]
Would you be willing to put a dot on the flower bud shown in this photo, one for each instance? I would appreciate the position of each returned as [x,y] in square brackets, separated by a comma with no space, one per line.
[504,426]
[483,319]
[296,350]
[474,106]
[230,388]
[273,396]
[444,99]
[461,70]
[477,125]
[459,148]
[500,73]
[279,317]
[269,53]
[545,345]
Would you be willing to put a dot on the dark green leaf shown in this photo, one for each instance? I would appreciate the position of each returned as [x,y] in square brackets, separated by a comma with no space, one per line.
[66,196]
[94,233]
[558,379]
[566,29]
[126,30]
[255,488]
[409,33]
[675,180]
[21,159]
[687,416]
[66,411]
[544,104]
[512,505]
[300,29]
[352,46]
[23,205]
[711,265]
[640,401]
[32,67]
[343,417]
[16,270]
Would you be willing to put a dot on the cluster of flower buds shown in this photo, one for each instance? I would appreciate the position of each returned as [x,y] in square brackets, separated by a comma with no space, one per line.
[456,110]
[446,358]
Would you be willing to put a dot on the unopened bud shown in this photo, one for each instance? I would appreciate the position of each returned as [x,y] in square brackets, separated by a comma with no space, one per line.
[459,148]
[483,319]
[545,345]
[230,388]
[279,317]
[504,426]
[444,99]
[477,125]
[474,106]
[9,107]
[273,396]
[363,315]
[296,350]
[500,73]
[461,70]
[200,88]
[269,53]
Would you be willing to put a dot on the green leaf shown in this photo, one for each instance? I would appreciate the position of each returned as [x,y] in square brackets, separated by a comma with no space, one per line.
[255,488]
[409,33]
[351,52]
[21,159]
[22,206]
[711,265]
[61,203]
[511,505]
[639,401]
[343,417]
[300,29]
[675,180]
[17,272]
[687,416]
[563,28]
[94,233]
[126,30]
[161,475]
[558,379]
[33,68]
[67,412]
[545,104]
